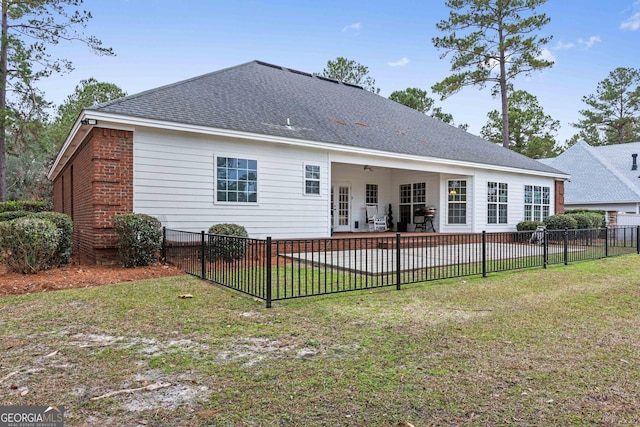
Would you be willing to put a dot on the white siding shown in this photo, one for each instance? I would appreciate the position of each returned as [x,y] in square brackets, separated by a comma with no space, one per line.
[174,181]
[515,209]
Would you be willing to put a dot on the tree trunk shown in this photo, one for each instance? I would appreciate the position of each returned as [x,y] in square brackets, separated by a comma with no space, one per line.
[3,102]
[504,95]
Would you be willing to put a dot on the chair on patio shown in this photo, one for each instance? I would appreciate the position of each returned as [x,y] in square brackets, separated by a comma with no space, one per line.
[376,222]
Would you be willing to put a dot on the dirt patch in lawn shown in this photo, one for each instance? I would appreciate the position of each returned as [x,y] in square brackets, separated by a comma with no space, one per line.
[78,276]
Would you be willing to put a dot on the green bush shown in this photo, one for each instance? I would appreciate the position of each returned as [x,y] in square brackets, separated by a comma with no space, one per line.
[560,222]
[28,244]
[11,215]
[528,225]
[587,220]
[23,205]
[65,226]
[139,239]
[227,241]
[599,214]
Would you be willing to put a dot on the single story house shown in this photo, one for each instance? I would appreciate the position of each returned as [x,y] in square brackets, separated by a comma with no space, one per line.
[602,178]
[286,154]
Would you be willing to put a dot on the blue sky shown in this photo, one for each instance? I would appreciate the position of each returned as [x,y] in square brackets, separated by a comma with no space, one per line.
[160,42]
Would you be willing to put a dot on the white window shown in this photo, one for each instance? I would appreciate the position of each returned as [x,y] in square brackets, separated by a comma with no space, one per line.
[312,179]
[497,198]
[236,180]
[457,201]
[371,194]
[536,202]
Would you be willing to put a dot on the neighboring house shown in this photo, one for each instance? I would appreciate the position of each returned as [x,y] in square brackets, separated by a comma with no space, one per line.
[602,178]
[285,154]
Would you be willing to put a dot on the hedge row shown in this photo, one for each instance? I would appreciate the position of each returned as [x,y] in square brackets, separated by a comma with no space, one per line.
[23,205]
[578,220]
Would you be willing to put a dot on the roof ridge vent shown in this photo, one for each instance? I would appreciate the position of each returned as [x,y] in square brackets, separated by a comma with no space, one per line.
[266,64]
[352,85]
[302,73]
[328,79]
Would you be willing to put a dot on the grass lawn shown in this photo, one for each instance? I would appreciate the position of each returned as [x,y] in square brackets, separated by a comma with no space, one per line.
[555,347]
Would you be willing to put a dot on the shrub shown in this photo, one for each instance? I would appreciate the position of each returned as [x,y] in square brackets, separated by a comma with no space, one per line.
[139,239]
[560,222]
[587,220]
[528,225]
[28,244]
[65,226]
[23,205]
[227,241]
[601,215]
[11,215]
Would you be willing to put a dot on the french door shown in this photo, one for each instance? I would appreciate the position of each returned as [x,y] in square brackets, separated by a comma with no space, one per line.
[341,207]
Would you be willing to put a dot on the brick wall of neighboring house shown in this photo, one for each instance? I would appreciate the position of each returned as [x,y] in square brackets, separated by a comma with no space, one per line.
[559,198]
[94,186]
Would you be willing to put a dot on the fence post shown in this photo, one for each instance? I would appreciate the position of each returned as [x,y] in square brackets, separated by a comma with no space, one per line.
[268,268]
[545,248]
[202,251]
[484,253]
[606,242]
[164,244]
[566,246]
[638,239]
[398,261]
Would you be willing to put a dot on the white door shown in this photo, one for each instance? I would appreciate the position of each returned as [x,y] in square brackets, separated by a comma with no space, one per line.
[341,207]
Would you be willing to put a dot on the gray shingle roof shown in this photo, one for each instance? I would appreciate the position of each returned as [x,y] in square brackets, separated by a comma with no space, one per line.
[259,98]
[599,174]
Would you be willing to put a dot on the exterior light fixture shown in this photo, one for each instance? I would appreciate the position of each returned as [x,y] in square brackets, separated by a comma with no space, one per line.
[91,122]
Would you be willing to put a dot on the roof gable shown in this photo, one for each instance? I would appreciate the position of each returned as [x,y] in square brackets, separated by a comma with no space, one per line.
[266,99]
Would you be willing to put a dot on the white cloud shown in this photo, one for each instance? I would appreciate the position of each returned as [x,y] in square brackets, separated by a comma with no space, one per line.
[589,43]
[401,63]
[632,23]
[355,26]
[562,45]
[547,55]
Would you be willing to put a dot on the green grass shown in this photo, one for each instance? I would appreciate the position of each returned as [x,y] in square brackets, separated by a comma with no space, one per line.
[554,347]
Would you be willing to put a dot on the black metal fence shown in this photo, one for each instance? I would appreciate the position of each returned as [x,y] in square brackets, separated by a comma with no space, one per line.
[279,269]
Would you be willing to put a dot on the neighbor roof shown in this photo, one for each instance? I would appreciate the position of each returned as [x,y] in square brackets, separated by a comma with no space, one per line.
[599,174]
[259,98]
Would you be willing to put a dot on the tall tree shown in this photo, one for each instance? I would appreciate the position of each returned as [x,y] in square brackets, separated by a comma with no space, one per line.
[613,114]
[531,131]
[28,149]
[419,100]
[28,28]
[87,93]
[491,41]
[350,71]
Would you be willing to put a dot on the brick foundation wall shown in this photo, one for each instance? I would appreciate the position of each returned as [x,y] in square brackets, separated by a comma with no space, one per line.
[94,186]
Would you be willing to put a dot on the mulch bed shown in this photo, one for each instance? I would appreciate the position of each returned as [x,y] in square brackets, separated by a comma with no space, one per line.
[78,276]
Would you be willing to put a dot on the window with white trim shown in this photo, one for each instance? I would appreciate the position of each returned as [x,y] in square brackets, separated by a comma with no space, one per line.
[497,198]
[236,180]
[537,200]
[371,194]
[312,180]
[457,201]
